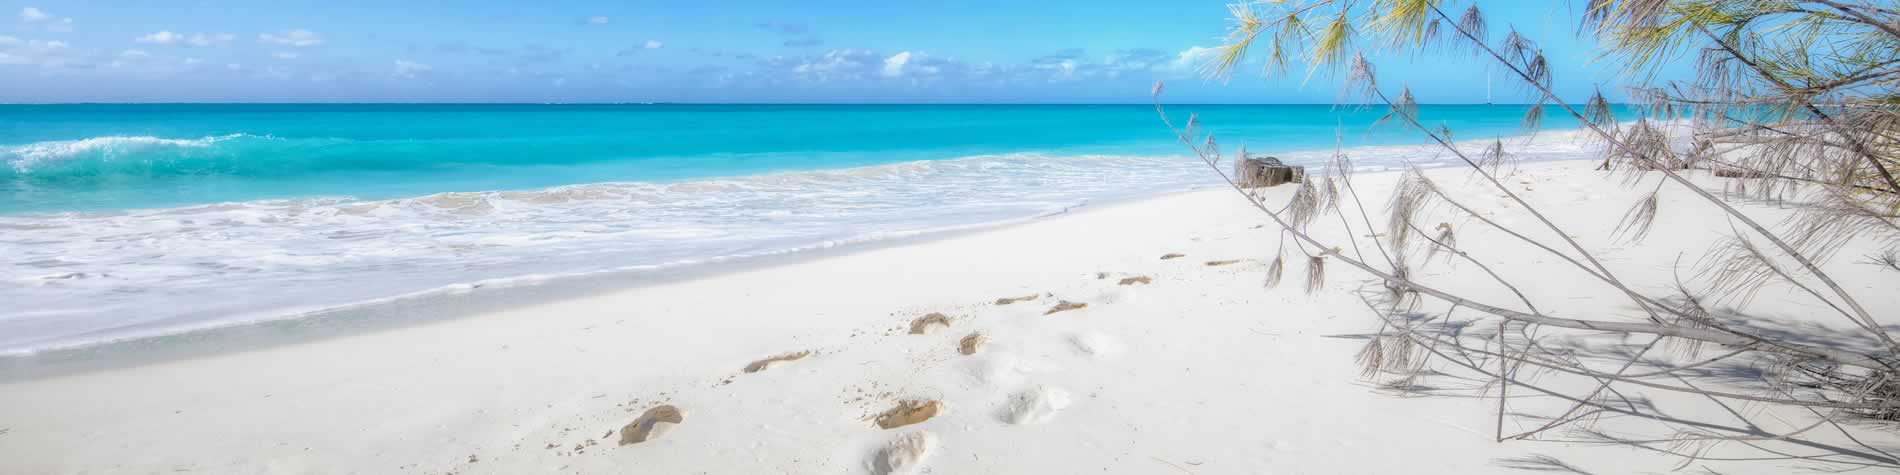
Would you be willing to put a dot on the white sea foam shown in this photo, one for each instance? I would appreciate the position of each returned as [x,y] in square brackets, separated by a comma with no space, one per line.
[77,278]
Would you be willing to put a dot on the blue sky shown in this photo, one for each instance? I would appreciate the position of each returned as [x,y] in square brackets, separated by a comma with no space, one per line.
[1014,51]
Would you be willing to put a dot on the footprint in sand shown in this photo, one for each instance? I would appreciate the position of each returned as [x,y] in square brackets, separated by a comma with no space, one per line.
[1010,300]
[1096,345]
[905,454]
[1003,368]
[923,325]
[972,342]
[654,423]
[1035,405]
[909,412]
[768,363]
[1064,306]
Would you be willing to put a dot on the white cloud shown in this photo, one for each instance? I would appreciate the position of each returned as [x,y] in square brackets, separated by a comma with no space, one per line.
[834,64]
[160,38]
[598,20]
[284,54]
[410,69]
[894,65]
[193,61]
[634,50]
[43,53]
[208,39]
[297,37]
[16,52]
[1117,63]
[1077,65]
[11,43]
[1058,69]
[37,18]
[866,65]
[166,37]
[130,57]
[1193,58]
[921,69]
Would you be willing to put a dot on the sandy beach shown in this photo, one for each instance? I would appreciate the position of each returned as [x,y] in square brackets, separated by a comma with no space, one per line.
[930,238]
[1136,337]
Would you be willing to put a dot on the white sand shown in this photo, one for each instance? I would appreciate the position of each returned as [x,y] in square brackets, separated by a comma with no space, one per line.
[1202,371]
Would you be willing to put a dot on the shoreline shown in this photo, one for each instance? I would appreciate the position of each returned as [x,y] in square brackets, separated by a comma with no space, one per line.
[456,302]
[1123,359]
[1553,146]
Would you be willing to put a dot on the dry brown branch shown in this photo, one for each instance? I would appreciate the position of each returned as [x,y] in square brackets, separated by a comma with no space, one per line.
[1834,128]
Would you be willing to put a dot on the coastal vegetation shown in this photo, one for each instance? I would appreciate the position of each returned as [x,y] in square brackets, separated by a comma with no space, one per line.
[1791,111]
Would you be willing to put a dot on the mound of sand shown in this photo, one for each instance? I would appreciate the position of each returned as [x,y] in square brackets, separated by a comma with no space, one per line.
[1140,279]
[905,454]
[1035,405]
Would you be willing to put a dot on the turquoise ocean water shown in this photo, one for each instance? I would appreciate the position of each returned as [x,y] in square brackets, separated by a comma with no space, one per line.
[118,221]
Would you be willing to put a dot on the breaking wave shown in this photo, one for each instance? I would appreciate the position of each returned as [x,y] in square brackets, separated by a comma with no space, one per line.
[28,158]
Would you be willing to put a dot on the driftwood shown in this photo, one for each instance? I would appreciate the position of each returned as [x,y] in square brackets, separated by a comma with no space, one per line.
[1254,171]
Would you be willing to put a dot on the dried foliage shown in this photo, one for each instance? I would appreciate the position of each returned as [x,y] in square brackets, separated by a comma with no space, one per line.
[1637,221]
[1315,274]
[1274,271]
[1307,204]
[1445,242]
[1792,102]
[1408,201]
[1495,159]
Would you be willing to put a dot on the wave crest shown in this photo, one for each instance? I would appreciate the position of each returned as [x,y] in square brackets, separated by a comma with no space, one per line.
[23,158]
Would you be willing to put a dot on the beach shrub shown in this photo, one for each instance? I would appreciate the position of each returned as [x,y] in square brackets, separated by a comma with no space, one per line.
[1791,103]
